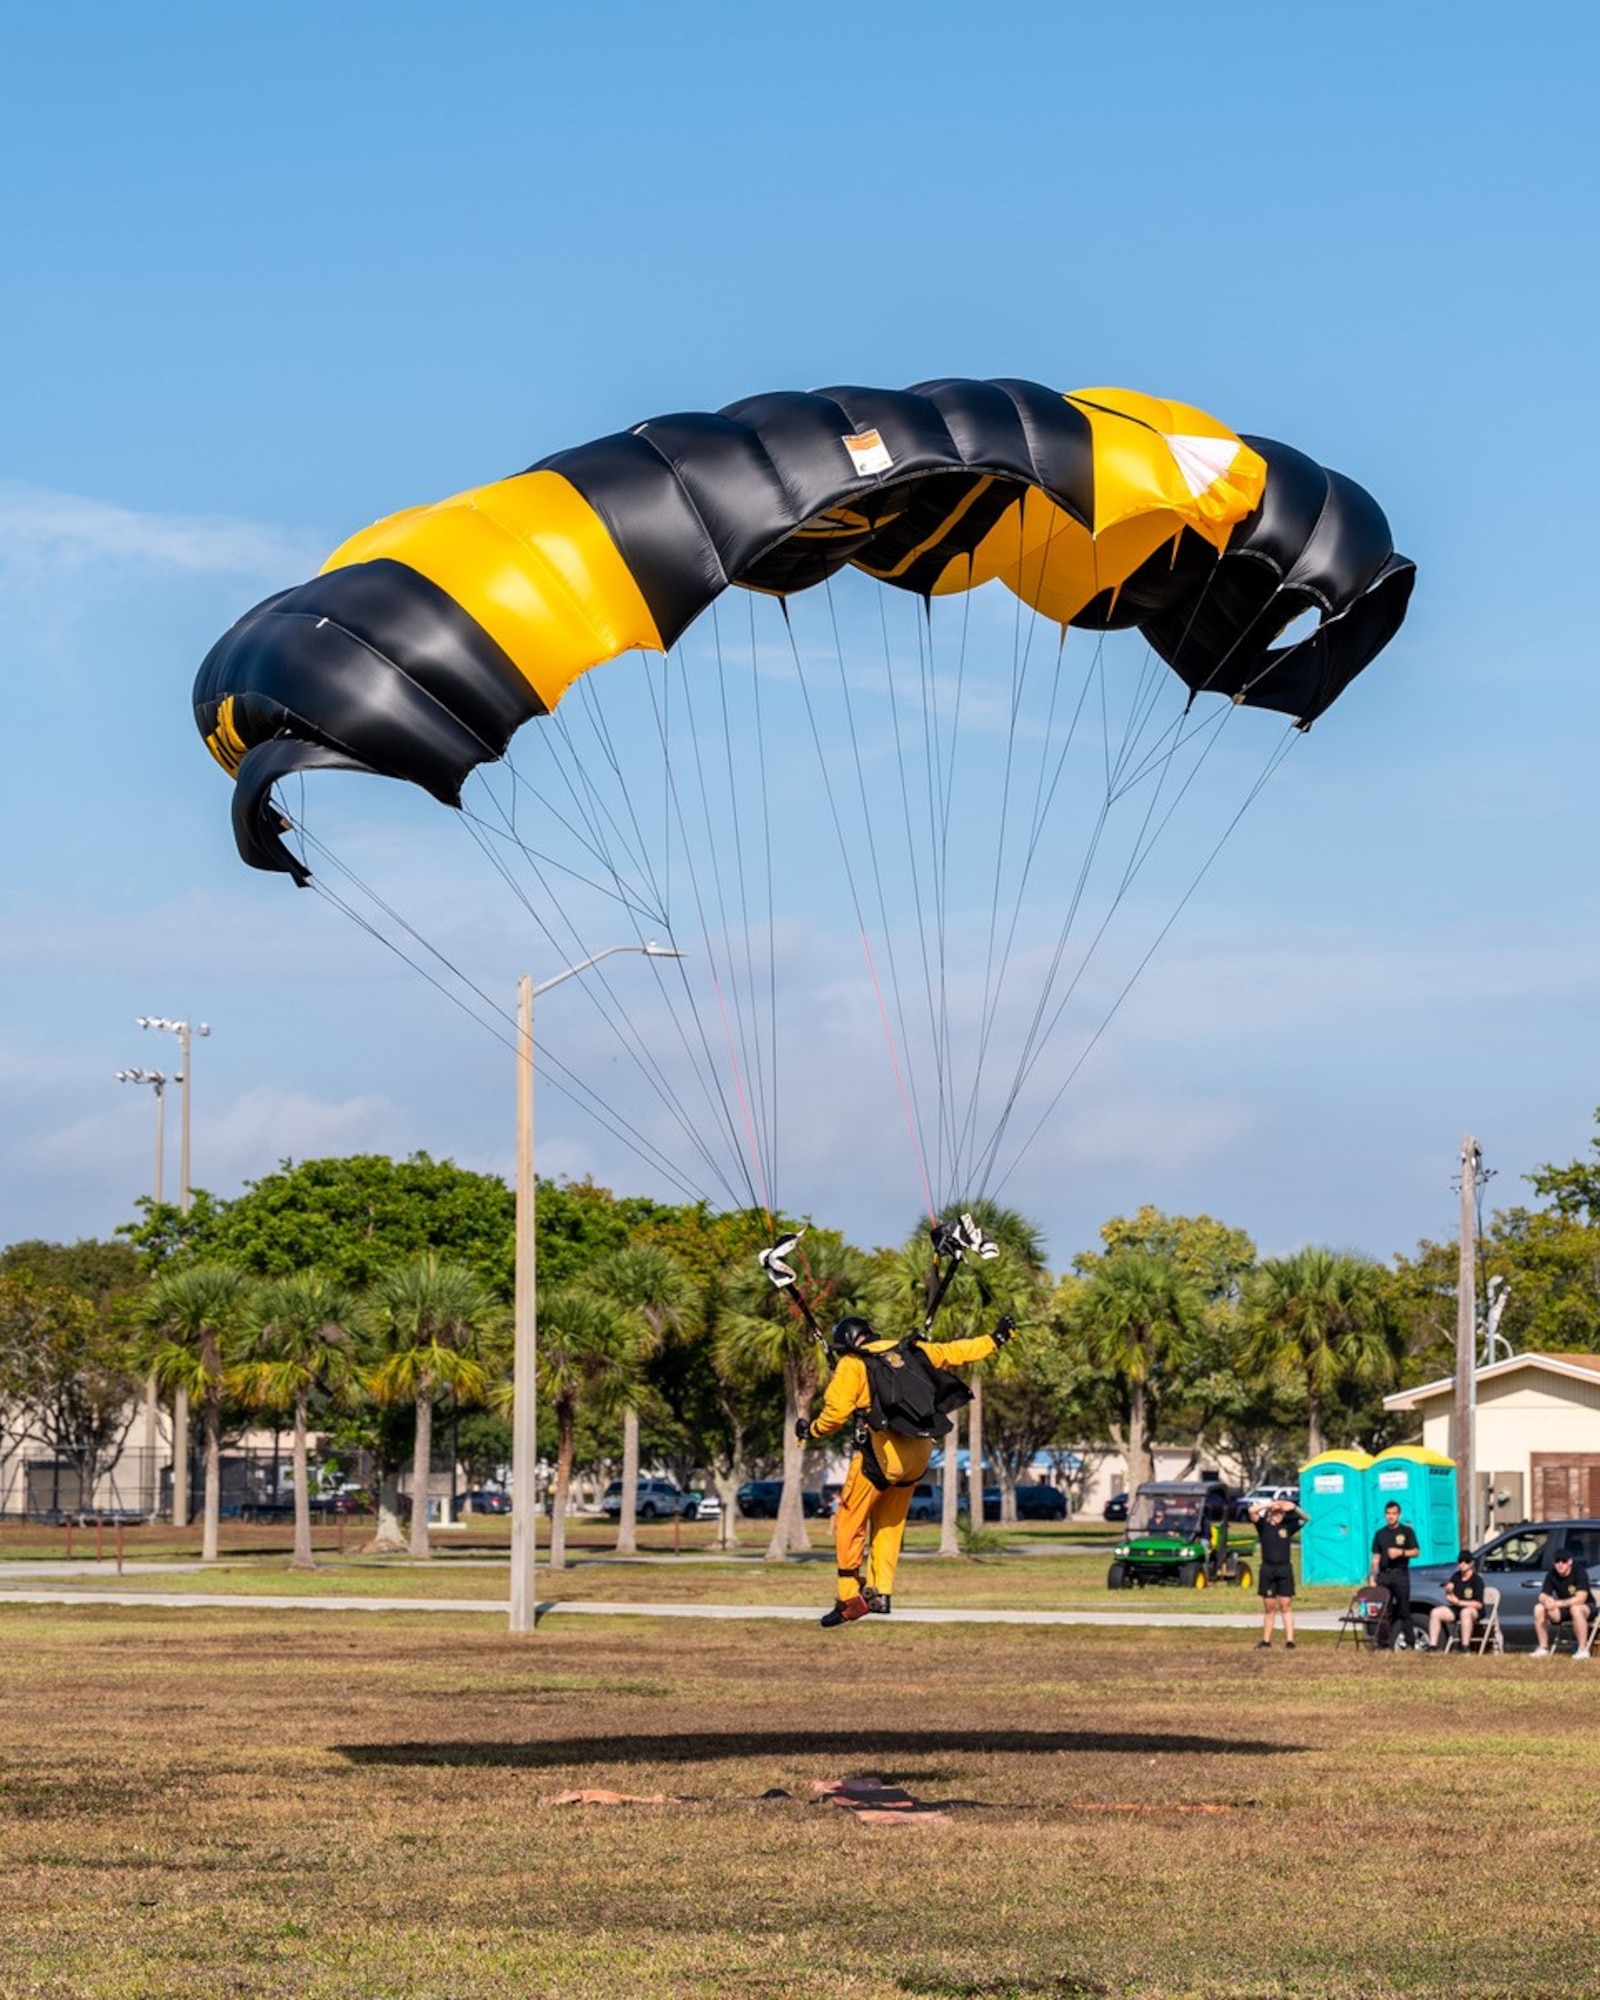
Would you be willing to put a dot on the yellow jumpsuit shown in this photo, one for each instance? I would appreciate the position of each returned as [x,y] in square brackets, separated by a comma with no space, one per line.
[877,1506]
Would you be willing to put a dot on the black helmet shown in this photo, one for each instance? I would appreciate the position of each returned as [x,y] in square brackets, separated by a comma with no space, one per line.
[851,1334]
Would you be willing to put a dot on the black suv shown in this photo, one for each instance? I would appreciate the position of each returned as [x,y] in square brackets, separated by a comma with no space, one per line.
[1034,1503]
[1514,1563]
[757,1500]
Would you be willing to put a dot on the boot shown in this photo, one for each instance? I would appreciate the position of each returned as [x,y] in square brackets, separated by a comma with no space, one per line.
[877,1601]
[845,1612]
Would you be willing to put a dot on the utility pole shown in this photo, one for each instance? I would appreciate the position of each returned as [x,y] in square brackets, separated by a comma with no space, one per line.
[1464,1407]
[524,1533]
[150,1485]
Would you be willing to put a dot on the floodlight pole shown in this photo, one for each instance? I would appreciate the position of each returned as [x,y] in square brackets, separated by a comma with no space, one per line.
[525,1342]
[180,1397]
[159,1080]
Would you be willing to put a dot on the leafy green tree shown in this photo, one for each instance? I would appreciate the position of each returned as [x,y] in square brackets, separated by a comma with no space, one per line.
[1213,1257]
[580,1223]
[65,1379]
[1139,1318]
[101,1272]
[1321,1319]
[1547,1257]
[166,1235]
[588,1355]
[300,1345]
[648,1286]
[356,1218]
[195,1320]
[1550,1263]
[1031,1400]
[427,1319]
[1572,1190]
[483,1440]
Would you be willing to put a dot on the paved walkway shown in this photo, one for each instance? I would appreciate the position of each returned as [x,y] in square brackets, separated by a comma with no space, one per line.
[196,1600]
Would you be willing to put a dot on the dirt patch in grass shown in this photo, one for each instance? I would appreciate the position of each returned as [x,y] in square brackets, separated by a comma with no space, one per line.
[333,1807]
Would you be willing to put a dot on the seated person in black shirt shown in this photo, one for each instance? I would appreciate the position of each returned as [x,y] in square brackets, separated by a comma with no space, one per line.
[1463,1601]
[1565,1596]
[1277,1523]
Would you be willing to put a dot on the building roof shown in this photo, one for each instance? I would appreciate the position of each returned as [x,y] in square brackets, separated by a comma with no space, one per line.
[1576,1367]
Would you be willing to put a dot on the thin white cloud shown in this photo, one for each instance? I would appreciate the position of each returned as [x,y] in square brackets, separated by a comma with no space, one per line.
[67,531]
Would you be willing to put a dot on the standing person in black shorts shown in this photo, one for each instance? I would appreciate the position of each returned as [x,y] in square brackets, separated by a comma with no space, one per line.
[1394,1547]
[1277,1524]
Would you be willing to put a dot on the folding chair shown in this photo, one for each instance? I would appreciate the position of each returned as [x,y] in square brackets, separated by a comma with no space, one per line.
[1486,1635]
[1368,1617]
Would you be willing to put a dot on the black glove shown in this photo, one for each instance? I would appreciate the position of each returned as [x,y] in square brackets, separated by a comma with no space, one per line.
[1004,1328]
[802,1429]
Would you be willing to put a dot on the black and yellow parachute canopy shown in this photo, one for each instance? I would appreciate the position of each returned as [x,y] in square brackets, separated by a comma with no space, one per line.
[428,638]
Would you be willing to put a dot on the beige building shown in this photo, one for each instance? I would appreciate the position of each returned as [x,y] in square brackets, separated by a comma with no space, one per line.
[1537,1434]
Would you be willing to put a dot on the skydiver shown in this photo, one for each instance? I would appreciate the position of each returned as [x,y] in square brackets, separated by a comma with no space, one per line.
[892,1392]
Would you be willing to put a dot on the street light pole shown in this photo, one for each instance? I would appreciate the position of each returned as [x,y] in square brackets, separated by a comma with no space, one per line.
[180,1397]
[525,1344]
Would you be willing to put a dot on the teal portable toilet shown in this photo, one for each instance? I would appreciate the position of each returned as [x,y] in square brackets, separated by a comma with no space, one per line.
[1424,1482]
[1336,1543]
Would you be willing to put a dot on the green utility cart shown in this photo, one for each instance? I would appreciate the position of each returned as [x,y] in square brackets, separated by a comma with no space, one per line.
[1178,1533]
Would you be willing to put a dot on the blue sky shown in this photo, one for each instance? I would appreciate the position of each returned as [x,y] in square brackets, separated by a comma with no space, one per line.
[274,274]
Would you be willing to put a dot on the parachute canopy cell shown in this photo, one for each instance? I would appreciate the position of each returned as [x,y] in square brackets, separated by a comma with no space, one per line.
[428,638]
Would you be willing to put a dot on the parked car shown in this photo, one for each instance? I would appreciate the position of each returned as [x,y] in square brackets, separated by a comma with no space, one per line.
[1513,1562]
[927,1503]
[655,1499]
[1116,1508]
[699,1505]
[757,1500]
[1261,1496]
[485,1500]
[1034,1503]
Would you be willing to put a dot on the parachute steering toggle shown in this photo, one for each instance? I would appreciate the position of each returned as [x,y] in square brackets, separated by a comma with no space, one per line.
[774,1261]
[953,1242]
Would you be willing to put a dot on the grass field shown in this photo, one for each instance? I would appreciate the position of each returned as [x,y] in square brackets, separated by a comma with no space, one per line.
[318,1805]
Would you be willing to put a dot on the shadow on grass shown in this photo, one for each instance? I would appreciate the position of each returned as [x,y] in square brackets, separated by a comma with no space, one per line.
[860,1747]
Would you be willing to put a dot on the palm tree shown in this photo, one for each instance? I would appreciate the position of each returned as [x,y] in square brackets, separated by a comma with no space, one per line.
[587,1356]
[1321,1319]
[428,1319]
[194,1320]
[647,1285]
[1138,1318]
[981,1291]
[300,1345]
[766,1333]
